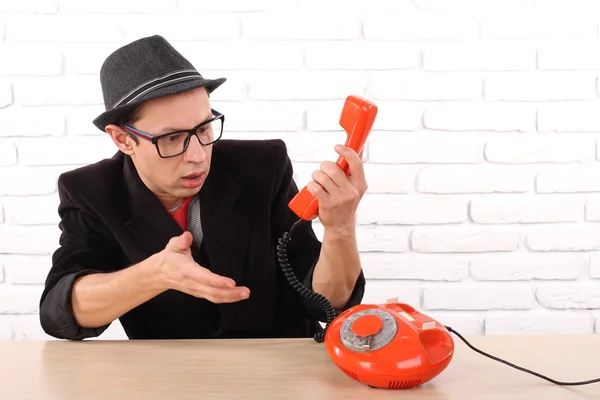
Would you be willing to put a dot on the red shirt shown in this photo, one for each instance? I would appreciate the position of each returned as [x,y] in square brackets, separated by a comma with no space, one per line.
[181,214]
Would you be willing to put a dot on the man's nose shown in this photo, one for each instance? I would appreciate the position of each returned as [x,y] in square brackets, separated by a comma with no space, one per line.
[195,151]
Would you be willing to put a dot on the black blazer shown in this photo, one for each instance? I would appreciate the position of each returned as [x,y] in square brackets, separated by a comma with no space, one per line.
[110,220]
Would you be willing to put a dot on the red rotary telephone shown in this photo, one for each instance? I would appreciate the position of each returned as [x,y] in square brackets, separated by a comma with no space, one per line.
[357,120]
[391,346]
[388,346]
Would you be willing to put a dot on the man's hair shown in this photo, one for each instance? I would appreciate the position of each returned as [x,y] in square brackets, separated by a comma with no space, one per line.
[131,117]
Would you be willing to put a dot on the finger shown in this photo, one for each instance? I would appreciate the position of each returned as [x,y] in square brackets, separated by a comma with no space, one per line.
[318,191]
[219,295]
[355,164]
[203,276]
[325,181]
[181,243]
[335,174]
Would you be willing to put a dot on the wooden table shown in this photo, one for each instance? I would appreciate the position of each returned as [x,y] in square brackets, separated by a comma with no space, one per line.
[283,369]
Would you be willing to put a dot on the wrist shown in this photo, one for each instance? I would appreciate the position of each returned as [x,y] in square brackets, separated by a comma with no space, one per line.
[340,232]
[154,273]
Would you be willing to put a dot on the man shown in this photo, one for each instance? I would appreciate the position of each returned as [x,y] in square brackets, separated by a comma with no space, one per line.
[152,238]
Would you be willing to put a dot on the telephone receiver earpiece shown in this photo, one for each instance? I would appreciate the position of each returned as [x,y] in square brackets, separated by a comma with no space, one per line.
[357,118]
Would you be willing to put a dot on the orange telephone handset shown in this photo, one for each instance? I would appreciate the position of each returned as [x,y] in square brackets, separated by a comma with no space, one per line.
[389,346]
[357,119]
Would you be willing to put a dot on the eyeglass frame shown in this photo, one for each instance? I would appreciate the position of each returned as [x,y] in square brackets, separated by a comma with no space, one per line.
[190,132]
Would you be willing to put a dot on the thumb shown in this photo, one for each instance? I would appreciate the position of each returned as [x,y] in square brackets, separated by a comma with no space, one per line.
[181,242]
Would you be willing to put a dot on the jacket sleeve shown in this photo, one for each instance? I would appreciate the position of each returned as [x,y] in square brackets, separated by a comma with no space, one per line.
[84,248]
[303,248]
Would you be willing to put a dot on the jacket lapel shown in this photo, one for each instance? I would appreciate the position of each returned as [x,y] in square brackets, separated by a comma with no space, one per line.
[150,223]
[226,225]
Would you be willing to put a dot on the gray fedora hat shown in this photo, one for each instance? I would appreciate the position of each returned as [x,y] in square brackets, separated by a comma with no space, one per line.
[142,70]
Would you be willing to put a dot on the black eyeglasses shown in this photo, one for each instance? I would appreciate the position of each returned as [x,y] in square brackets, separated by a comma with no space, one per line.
[175,143]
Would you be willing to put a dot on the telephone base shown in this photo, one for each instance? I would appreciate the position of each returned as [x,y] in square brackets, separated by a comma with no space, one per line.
[388,346]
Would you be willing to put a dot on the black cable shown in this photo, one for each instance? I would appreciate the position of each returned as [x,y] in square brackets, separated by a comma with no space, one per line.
[521,368]
[299,287]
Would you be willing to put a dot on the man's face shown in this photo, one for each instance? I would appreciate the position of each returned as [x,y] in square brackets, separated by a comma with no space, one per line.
[170,179]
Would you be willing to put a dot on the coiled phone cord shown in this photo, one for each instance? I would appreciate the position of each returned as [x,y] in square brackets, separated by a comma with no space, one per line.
[331,314]
[299,287]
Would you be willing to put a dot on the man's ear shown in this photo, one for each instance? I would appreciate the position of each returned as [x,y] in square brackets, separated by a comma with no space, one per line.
[120,138]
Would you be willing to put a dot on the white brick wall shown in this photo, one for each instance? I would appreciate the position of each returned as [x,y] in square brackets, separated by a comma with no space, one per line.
[483,165]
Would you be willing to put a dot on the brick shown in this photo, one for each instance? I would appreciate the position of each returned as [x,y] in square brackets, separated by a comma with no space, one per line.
[389,178]
[59,29]
[424,86]
[595,266]
[312,147]
[568,179]
[27,327]
[475,179]
[569,55]
[528,26]
[361,56]
[538,322]
[28,239]
[353,5]
[478,297]
[16,181]
[235,5]
[6,96]
[527,267]
[119,6]
[184,28]
[8,154]
[6,330]
[79,120]
[567,5]
[488,6]
[538,86]
[65,150]
[40,122]
[384,209]
[410,266]
[19,299]
[391,116]
[31,60]
[564,117]
[536,148]
[292,25]
[525,209]
[309,85]
[29,7]
[86,59]
[252,116]
[478,57]
[232,58]
[426,148]
[592,210]
[480,117]
[34,210]
[27,270]
[378,291]
[468,323]
[418,25]
[582,296]
[564,238]
[467,239]
[382,238]
[79,90]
